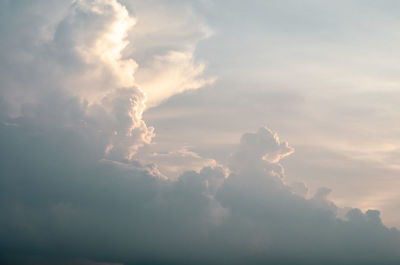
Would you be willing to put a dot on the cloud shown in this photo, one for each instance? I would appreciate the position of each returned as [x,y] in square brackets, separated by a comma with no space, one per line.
[174,72]
[164,42]
[58,199]
[258,150]
[71,191]
[173,163]
[79,54]
[80,62]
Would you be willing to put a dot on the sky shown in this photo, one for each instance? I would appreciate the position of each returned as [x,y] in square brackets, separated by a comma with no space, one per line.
[199,132]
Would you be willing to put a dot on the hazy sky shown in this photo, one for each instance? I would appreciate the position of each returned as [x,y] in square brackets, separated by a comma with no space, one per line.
[199,132]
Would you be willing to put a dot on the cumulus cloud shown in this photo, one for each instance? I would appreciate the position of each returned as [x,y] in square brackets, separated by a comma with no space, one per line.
[59,200]
[80,62]
[76,51]
[71,192]
[258,150]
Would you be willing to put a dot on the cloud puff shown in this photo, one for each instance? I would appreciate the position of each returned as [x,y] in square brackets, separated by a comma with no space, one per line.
[257,150]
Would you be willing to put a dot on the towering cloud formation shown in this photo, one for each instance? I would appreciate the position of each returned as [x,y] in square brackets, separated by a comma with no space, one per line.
[72,192]
[77,54]
[82,61]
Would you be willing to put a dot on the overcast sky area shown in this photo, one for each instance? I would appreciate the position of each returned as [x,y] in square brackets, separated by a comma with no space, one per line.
[199,132]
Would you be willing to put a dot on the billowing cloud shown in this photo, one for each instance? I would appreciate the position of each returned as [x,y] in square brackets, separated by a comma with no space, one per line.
[59,200]
[78,54]
[72,191]
[81,61]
